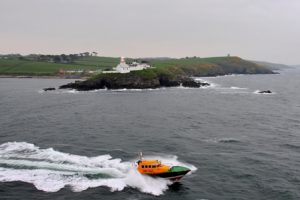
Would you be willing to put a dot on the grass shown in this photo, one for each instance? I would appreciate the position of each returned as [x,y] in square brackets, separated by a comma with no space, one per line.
[100,62]
[210,66]
[168,67]
[26,67]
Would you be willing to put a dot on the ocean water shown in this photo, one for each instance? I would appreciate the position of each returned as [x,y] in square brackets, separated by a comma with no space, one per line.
[83,145]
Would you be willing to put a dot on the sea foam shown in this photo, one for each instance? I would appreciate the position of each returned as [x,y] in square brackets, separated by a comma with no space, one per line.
[50,170]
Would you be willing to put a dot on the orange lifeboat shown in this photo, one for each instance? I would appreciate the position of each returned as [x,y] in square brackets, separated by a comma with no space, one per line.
[158,169]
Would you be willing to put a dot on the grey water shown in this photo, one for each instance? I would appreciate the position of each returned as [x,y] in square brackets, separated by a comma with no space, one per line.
[244,145]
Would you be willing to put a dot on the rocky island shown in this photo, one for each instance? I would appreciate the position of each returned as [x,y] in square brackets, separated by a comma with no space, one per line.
[132,80]
[170,73]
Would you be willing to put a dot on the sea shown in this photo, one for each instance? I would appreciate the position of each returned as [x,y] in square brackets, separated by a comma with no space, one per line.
[238,143]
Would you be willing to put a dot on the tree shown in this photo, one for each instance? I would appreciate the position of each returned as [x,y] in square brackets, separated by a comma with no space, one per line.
[86,54]
[56,59]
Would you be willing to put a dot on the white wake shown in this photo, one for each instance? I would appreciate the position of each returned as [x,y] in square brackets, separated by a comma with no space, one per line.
[50,170]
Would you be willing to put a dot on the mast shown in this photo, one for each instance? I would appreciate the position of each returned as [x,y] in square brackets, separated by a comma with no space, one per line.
[141,156]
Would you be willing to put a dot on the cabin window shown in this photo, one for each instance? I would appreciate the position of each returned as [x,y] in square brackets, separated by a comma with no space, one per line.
[142,166]
[153,166]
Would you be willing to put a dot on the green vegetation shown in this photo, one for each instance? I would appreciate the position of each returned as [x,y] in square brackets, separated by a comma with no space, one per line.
[210,66]
[169,73]
[50,65]
[26,66]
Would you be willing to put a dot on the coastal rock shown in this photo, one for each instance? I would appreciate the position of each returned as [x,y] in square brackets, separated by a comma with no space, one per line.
[132,82]
[204,84]
[112,83]
[265,92]
[49,89]
[190,83]
[167,82]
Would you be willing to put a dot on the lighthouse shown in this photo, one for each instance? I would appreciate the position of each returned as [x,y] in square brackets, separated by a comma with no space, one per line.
[123,67]
[122,60]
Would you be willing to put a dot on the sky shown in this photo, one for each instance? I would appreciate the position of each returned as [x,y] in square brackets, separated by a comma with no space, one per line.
[265,30]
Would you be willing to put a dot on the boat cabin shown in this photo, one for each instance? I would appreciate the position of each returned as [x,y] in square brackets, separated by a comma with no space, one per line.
[151,167]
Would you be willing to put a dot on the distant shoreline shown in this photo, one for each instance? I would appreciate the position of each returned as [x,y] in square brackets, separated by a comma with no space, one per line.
[38,77]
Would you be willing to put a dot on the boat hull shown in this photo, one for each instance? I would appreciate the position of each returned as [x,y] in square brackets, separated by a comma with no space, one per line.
[174,174]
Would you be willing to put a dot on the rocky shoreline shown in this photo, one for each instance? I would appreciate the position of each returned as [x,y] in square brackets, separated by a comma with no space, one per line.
[132,83]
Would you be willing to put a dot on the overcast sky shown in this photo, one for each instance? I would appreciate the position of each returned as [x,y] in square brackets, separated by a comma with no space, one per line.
[267,30]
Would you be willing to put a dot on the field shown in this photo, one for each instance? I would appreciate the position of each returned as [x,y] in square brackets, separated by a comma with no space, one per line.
[193,66]
[15,66]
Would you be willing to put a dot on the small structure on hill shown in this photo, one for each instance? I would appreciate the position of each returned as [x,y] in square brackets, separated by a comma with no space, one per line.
[123,67]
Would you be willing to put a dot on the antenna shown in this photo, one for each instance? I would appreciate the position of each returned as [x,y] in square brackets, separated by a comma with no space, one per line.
[141,156]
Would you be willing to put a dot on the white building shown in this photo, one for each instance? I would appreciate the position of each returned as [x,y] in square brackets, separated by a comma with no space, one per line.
[125,68]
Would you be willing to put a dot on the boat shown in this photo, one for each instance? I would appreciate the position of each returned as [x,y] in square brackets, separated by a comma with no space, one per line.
[157,169]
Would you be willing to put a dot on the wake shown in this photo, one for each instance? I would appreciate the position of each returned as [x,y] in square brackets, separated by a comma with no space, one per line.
[50,170]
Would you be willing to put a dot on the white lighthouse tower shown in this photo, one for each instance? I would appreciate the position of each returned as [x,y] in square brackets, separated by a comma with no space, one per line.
[123,67]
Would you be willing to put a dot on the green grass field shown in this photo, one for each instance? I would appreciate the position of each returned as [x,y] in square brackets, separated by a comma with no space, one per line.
[190,66]
[26,67]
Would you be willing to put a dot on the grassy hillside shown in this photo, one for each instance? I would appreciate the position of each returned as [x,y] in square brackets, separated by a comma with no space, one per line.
[173,70]
[211,66]
[165,67]
[272,66]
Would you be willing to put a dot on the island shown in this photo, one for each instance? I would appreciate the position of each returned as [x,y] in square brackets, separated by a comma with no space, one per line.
[170,73]
[98,72]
